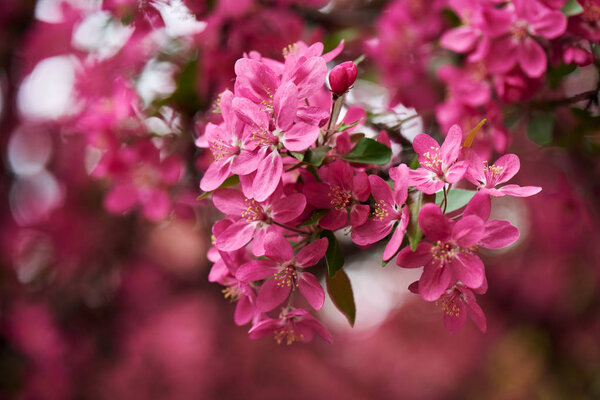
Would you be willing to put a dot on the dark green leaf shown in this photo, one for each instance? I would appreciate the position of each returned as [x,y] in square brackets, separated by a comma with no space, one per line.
[457,198]
[334,255]
[340,291]
[315,156]
[369,151]
[414,163]
[556,74]
[314,217]
[540,128]
[298,155]
[231,181]
[416,200]
[572,7]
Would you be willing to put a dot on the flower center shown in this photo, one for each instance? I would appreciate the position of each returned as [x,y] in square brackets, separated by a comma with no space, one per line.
[289,49]
[221,149]
[449,305]
[289,334]
[432,159]
[232,293]
[381,210]
[287,277]
[519,30]
[339,198]
[262,137]
[443,253]
[254,212]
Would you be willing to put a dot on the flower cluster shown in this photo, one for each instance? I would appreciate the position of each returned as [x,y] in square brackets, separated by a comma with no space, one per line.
[495,54]
[287,176]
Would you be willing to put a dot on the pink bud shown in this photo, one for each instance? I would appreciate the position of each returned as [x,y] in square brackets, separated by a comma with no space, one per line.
[342,77]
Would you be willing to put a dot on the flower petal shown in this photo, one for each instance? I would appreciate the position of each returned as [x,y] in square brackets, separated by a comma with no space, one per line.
[434,224]
[520,191]
[230,202]
[467,231]
[434,281]
[532,58]
[450,149]
[311,290]
[236,236]
[288,208]
[468,268]
[256,270]
[415,259]
[335,219]
[271,294]
[285,103]
[499,234]
[300,136]
[278,248]
[268,176]
[311,254]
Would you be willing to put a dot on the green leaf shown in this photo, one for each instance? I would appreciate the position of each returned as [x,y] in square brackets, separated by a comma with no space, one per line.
[557,74]
[342,127]
[231,181]
[457,198]
[340,292]
[359,59]
[572,7]
[355,137]
[314,217]
[540,129]
[298,155]
[334,255]
[369,151]
[315,156]
[416,200]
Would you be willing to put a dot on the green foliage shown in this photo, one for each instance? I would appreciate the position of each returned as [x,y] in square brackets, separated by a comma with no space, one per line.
[315,156]
[340,292]
[334,256]
[456,199]
[540,128]
[369,151]
[572,7]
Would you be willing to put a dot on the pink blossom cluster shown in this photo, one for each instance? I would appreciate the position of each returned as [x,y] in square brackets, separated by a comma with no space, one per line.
[503,52]
[287,176]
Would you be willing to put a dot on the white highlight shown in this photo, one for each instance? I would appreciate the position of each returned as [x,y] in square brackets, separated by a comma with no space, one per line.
[179,20]
[47,93]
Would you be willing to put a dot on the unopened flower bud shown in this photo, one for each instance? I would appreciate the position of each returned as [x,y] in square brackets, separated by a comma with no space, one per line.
[342,77]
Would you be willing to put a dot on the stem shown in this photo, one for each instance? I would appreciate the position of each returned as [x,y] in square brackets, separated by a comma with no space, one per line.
[445,200]
[291,229]
[335,113]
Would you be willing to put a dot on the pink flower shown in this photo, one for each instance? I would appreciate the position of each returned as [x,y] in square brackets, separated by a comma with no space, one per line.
[390,214]
[438,164]
[292,326]
[140,179]
[487,177]
[253,219]
[225,143]
[223,271]
[341,192]
[451,257]
[285,272]
[457,303]
[517,26]
[342,77]
[296,129]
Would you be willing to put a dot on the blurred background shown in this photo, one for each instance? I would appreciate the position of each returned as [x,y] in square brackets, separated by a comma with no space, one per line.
[105,300]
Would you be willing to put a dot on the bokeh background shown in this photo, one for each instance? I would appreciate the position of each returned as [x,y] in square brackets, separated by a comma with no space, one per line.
[102,305]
